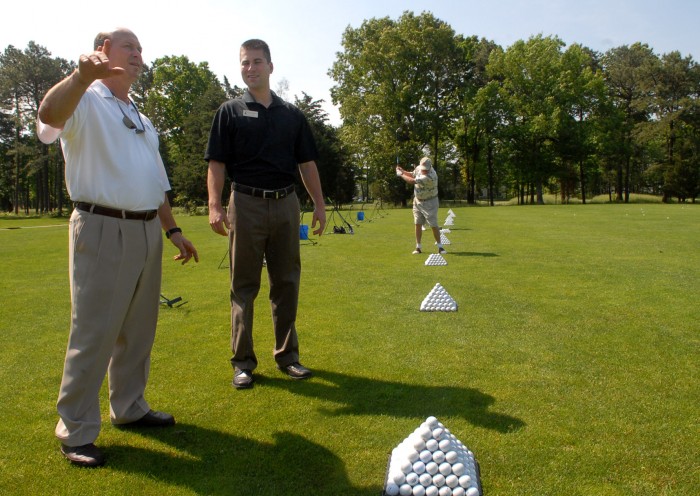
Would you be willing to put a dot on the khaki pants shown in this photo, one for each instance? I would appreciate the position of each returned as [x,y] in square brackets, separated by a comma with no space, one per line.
[268,228]
[115,273]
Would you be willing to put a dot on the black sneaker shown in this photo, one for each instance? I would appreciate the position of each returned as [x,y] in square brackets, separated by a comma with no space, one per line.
[87,455]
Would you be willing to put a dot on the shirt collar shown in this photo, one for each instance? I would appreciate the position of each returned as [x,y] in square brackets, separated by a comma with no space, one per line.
[248,98]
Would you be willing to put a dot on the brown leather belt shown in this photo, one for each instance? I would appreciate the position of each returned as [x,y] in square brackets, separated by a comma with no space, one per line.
[113,212]
[268,194]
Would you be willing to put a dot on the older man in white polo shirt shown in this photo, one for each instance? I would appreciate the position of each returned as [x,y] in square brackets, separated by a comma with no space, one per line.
[116,177]
[425,200]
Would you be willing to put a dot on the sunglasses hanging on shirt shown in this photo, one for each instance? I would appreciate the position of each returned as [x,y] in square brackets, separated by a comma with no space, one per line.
[127,120]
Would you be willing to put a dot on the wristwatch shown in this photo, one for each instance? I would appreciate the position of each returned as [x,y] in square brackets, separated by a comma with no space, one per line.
[172,231]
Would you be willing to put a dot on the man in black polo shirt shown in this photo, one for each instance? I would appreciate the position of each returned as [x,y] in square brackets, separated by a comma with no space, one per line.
[260,142]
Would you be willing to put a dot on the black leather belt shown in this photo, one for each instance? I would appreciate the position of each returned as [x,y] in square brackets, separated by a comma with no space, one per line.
[113,212]
[268,194]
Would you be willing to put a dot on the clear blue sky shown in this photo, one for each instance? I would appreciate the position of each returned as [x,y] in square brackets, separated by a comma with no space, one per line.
[305,35]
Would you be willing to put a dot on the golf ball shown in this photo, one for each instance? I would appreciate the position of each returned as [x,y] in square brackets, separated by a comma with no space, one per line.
[425,456]
[452,480]
[431,468]
[405,490]
[445,444]
[458,491]
[412,479]
[458,469]
[406,466]
[399,478]
[412,455]
[426,479]
[438,433]
[465,481]
[438,457]
[445,491]
[472,491]
[419,467]
[431,491]
[431,445]
[418,491]
[391,489]
[419,444]
[446,469]
[451,457]
[439,480]
[431,421]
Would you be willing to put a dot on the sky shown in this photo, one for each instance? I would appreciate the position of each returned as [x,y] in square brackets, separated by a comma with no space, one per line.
[305,35]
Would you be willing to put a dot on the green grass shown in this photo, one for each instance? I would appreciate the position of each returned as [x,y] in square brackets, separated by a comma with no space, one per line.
[571,366]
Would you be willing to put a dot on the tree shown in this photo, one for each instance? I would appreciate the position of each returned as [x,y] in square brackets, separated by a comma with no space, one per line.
[181,102]
[627,71]
[393,84]
[335,170]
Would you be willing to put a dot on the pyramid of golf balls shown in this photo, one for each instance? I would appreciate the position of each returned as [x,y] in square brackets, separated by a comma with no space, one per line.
[435,259]
[431,461]
[444,240]
[438,300]
[445,231]
[449,221]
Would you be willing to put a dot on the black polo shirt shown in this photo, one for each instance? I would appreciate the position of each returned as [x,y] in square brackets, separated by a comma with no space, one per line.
[260,146]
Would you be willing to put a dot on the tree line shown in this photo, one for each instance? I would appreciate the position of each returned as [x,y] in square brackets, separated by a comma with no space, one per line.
[519,122]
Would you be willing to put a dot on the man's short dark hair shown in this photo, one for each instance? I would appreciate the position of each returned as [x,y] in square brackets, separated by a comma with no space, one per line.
[256,44]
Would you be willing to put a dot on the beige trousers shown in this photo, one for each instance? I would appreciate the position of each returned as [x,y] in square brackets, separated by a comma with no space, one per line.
[270,229]
[115,272]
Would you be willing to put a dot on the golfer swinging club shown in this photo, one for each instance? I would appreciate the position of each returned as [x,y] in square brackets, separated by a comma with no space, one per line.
[425,200]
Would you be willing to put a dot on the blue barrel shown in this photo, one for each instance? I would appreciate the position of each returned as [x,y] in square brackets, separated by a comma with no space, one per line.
[360,216]
[303,231]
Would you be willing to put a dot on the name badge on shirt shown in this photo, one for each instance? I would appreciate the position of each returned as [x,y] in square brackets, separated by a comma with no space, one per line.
[250,113]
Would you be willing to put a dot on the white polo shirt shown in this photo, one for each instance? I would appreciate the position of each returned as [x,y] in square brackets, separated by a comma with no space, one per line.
[106,162]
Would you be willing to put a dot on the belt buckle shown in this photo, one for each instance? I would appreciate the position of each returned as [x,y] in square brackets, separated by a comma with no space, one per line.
[275,194]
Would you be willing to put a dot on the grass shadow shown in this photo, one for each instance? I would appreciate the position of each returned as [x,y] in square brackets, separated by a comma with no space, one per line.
[472,254]
[364,396]
[218,463]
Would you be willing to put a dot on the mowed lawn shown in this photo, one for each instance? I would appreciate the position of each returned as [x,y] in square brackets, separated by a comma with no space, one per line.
[570,368]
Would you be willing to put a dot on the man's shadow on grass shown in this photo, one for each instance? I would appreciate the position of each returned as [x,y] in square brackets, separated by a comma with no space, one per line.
[364,396]
[217,463]
[472,254]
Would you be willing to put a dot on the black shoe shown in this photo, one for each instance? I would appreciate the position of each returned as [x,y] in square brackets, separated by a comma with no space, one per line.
[295,370]
[87,455]
[152,419]
[242,378]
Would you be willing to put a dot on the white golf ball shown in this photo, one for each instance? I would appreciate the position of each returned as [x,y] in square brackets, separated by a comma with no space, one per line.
[451,457]
[418,490]
[426,433]
[452,480]
[458,469]
[399,478]
[431,491]
[472,491]
[426,479]
[445,491]
[458,491]
[465,481]
[412,479]
[431,468]
[445,444]
[406,466]
[446,469]
[391,489]
[431,445]
[425,456]
[431,421]
[419,444]
[405,490]
[438,457]
[419,467]
[412,455]
[439,480]
[438,433]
